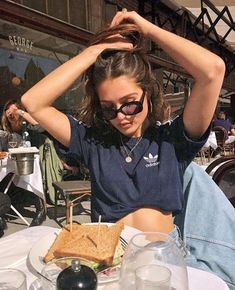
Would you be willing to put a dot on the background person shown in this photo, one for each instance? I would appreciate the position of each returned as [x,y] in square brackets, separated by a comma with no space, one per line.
[136,167]
[12,120]
[13,115]
[227,125]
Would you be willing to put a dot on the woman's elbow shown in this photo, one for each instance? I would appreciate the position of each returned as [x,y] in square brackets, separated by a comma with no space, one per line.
[217,70]
[29,103]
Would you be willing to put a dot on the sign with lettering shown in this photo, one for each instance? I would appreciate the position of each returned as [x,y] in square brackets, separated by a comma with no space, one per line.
[20,43]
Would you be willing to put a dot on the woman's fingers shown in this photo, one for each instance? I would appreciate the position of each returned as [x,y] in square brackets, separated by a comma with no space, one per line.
[132,17]
[117,42]
[120,45]
[122,17]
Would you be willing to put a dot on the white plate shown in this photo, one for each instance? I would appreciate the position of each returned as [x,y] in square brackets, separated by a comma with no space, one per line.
[40,248]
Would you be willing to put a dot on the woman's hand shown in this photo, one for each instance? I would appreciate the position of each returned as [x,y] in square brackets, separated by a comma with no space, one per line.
[132,17]
[115,42]
[12,112]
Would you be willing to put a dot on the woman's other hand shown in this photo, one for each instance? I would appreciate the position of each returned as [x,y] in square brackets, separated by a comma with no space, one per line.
[133,17]
[12,111]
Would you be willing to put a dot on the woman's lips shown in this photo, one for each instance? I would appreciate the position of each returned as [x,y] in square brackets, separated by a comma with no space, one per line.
[125,125]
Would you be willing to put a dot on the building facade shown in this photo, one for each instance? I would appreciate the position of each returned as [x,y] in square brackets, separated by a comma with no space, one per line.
[38,36]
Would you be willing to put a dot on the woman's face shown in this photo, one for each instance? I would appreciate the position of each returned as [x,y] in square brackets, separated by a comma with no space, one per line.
[11,114]
[113,93]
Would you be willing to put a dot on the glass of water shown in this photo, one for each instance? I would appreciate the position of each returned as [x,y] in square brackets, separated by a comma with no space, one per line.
[153,277]
[152,260]
[12,279]
[12,140]
[51,271]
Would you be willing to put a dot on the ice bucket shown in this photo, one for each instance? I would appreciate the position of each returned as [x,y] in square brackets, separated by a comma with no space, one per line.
[23,159]
[23,163]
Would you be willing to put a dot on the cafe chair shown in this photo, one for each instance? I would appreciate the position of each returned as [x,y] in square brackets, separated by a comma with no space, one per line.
[72,192]
[221,137]
[204,155]
[53,169]
[61,187]
[222,171]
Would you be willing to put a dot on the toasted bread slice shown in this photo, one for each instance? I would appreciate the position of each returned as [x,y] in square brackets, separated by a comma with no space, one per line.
[64,237]
[93,242]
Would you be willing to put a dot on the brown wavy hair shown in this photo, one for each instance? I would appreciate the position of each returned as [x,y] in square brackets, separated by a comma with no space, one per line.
[115,63]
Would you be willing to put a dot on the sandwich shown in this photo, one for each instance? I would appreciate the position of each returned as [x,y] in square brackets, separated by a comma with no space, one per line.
[98,243]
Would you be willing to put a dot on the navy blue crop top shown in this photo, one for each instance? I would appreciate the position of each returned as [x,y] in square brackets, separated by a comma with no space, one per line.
[153,179]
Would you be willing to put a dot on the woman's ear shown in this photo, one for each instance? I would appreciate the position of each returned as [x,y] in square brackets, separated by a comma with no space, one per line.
[150,105]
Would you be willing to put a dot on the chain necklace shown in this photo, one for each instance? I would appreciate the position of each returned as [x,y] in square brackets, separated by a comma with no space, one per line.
[128,158]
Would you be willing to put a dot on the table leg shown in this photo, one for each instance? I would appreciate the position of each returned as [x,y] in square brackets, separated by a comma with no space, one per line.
[9,184]
[12,207]
[56,200]
[68,204]
[16,211]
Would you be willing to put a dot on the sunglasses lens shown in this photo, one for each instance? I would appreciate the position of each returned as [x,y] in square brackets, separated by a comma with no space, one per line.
[132,109]
[109,114]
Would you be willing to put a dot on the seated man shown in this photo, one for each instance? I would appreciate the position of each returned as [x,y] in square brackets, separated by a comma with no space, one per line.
[5,204]
[226,124]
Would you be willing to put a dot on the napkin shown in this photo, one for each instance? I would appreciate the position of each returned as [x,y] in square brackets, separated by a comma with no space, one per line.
[13,253]
[21,150]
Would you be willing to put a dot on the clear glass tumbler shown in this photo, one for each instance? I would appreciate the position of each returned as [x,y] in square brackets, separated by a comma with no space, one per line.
[153,277]
[51,271]
[12,279]
[149,249]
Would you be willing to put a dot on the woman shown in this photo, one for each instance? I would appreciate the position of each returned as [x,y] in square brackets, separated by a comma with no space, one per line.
[136,167]
[13,116]
[12,122]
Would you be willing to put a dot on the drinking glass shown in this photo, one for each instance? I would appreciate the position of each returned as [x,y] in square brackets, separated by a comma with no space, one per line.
[145,253]
[153,277]
[51,271]
[3,140]
[12,140]
[12,279]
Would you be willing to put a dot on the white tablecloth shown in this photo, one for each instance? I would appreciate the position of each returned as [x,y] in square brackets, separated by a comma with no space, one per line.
[31,182]
[15,248]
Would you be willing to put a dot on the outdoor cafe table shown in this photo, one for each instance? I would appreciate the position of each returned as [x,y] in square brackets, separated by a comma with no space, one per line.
[31,182]
[14,250]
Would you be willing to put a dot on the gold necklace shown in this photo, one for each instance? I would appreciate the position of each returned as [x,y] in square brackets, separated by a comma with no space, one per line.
[128,158]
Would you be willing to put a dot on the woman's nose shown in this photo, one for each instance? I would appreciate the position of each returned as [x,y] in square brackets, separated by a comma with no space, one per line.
[120,115]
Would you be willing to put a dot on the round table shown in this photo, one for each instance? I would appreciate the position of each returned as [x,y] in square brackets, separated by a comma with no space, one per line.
[14,250]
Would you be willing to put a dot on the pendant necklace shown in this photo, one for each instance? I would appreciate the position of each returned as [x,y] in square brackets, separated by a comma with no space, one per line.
[128,158]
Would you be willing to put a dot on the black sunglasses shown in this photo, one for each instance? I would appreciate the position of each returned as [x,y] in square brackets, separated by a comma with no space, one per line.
[129,108]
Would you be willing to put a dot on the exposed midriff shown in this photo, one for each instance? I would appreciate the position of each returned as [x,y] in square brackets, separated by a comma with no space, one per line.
[150,219]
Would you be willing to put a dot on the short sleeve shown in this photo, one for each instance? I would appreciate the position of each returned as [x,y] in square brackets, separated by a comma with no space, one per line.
[79,144]
[186,148]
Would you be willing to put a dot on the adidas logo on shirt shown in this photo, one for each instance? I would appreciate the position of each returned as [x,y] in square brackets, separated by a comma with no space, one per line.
[151,160]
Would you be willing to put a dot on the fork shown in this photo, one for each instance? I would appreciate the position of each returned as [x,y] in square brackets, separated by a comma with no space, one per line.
[124,243]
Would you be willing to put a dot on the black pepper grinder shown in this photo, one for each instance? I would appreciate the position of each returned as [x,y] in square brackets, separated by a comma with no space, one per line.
[77,277]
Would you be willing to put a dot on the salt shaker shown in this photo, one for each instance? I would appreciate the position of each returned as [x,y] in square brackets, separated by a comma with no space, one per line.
[77,277]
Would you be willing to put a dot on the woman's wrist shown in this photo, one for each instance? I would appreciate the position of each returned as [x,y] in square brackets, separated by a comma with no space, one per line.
[21,113]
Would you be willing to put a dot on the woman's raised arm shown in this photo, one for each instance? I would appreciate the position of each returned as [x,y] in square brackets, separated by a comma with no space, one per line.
[205,67]
[40,98]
